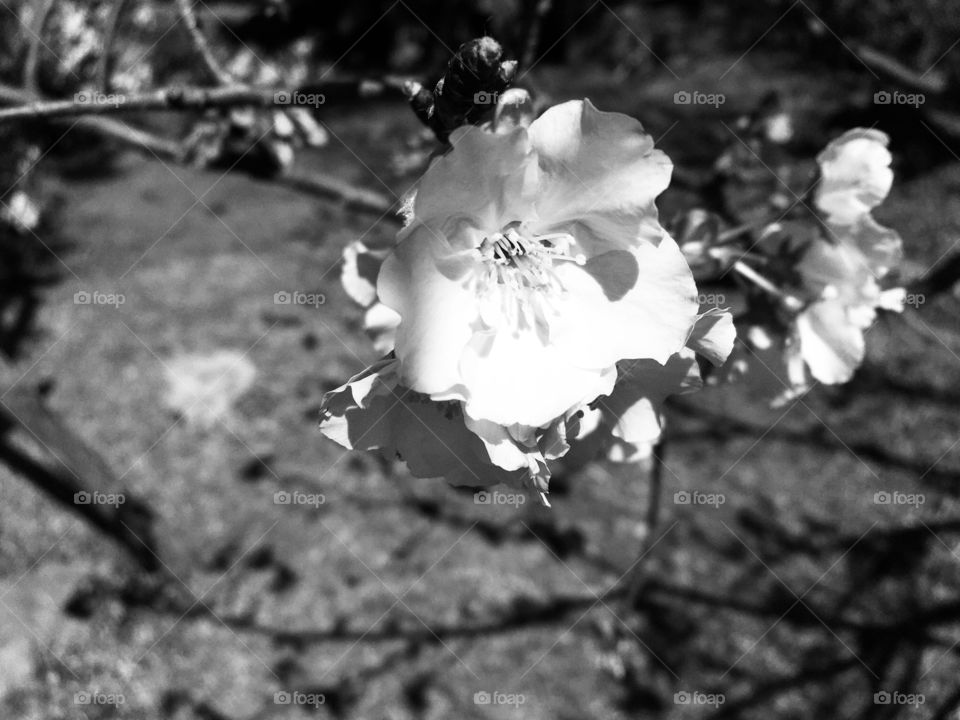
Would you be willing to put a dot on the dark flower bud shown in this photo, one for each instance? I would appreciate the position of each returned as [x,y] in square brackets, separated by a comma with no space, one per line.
[467,93]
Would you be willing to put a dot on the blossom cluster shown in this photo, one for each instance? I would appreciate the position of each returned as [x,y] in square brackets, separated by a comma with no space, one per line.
[532,301]
[830,266]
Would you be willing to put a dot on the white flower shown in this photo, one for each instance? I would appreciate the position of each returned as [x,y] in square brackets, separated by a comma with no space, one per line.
[843,275]
[534,262]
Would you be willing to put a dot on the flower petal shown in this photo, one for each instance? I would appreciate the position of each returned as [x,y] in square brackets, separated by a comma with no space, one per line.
[381,323]
[713,336]
[855,175]
[359,274]
[481,180]
[880,247]
[436,308]
[374,412]
[598,168]
[831,343]
[598,323]
[517,378]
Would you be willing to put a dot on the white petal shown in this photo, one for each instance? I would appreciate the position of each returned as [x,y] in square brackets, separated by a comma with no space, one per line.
[831,344]
[855,175]
[598,168]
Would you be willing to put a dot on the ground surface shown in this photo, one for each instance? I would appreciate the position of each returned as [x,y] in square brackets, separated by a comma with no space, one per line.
[402,598]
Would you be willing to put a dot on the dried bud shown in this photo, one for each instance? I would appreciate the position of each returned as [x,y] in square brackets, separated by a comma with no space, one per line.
[468,91]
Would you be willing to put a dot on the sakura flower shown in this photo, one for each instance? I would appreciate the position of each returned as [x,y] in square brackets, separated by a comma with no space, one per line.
[830,268]
[535,262]
[855,178]
[844,276]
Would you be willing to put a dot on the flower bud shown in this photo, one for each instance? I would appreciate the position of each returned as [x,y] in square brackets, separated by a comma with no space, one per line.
[469,89]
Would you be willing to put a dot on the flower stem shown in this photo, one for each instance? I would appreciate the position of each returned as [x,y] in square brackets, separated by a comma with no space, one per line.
[637,574]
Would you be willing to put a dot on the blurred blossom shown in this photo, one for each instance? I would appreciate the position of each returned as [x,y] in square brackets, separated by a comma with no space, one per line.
[837,263]
[20,211]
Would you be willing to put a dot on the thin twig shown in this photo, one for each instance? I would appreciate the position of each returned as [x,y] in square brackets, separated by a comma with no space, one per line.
[541,8]
[105,61]
[32,62]
[189,98]
[212,66]
[638,577]
[931,82]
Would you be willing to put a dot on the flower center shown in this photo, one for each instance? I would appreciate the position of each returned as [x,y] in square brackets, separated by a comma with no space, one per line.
[519,281]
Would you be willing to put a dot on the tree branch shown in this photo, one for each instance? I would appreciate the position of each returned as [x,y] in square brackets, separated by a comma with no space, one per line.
[314,184]
[190,98]
[212,66]
[105,61]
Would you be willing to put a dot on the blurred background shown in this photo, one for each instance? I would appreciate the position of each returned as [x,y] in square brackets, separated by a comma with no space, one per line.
[178,541]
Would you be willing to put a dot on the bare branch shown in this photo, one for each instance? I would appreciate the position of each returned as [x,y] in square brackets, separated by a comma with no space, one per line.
[212,66]
[32,62]
[105,61]
[540,9]
[315,184]
[181,98]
